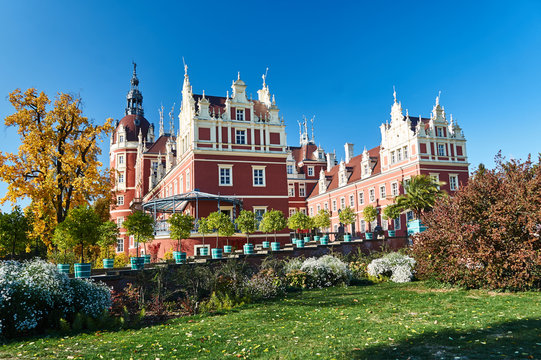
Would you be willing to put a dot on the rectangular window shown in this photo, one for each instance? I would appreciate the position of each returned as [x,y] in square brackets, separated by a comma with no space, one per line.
[292,211]
[439,132]
[225,176]
[121,178]
[334,205]
[120,245]
[397,223]
[181,186]
[409,215]
[382,192]
[342,203]
[399,155]
[188,179]
[259,212]
[351,200]
[394,189]
[405,152]
[241,137]
[291,190]
[120,138]
[290,169]
[303,210]
[240,114]
[310,171]
[120,160]
[405,185]
[372,195]
[385,225]
[363,226]
[361,198]
[366,169]
[441,150]
[393,158]
[318,207]
[170,189]
[259,177]
[119,221]
[326,205]
[453,182]
[311,211]
[120,200]
[175,187]
[302,190]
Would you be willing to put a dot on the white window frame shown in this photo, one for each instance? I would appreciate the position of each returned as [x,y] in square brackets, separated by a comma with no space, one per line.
[289,169]
[120,160]
[395,190]
[292,211]
[361,197]
[120,138]
[121,178]
[120,245]
[120,200]
[311,211]
[318,207]
[453,187]
[240,137]
[393,157]
[363,226]
[396,224]
[303,210]
[291,190]
[406,152]
[302,190]
[120,221]
[239,114]
[398,155]
[181,184]
[439,131]
[342,203]
[256,209]
[224,167]
[188,182]
[372,195]
[310,171]
[351,200]
[435,177]
[441,150]
[382,191]
[326,206]
[261,179]
[334,205]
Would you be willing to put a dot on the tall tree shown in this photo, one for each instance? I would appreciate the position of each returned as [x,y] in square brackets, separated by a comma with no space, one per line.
[247,223]
[181,226]
[299,221]
[421,193]
[347,216]
[13,232]
[322,219]
[109,233]
[57,165]
[370,214]
[222,224]
[273,221]
[141,226]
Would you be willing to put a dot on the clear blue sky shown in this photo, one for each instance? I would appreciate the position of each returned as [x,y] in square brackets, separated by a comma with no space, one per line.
[335,60]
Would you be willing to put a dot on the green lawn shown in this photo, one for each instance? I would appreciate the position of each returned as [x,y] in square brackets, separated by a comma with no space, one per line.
[384,321]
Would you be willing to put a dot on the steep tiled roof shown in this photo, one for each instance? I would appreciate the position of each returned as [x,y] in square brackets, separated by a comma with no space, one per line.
[132,124]
[354,169]
[159,145]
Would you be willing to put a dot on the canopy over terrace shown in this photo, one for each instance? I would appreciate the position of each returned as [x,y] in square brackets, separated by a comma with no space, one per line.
[177,203]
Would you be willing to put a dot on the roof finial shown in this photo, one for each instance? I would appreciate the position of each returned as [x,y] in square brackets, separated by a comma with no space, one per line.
[185,67]
[134,68]
[438,98]
[161,131]
[171,119]
[238,75]
[394,93]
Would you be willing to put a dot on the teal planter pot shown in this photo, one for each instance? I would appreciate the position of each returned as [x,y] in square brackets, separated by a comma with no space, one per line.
[248,249]
[275,246]
[228,249]
[316,238]
[137,263]
[265,244]
[368,236]
[391,233]
[216,253]
[146,259]
[204,251]
[415,226]
[108,263]
[347,238]
[324,240]
[82,271]
[306,239]
[180,257]
[63,268]
[326,237]
[300,243]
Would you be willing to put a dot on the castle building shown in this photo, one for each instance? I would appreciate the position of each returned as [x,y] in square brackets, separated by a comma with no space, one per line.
[229,153]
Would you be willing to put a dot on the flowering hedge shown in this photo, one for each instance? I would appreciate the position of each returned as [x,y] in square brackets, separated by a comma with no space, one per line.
[394,265]
[34,295]
[317,272]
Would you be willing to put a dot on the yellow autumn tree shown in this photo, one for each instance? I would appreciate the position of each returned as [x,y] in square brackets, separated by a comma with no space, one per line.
[57,165]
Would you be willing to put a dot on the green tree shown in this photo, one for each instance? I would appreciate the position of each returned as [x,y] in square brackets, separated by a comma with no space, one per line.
[370,214]
[13,231]
[108,236]
[421,193]
[299,221]
[273,221]
[181,226]
[247,223]
[81,226]
[322,220]
[222,224]
[141,226]
[391,212]
[347,216]
[203,227]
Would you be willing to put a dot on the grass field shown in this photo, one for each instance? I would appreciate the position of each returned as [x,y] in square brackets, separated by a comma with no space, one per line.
[384,321]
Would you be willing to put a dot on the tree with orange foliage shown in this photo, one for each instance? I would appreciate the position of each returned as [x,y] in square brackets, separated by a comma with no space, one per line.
[57,165]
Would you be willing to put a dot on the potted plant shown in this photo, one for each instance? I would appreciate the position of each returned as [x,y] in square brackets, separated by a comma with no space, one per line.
[108,237]
[391,212]
[370,214]
[223,226]
[203,228]
[247,224]
[82,226]
[141,226]
[273,221]
[181,226]
[347,217]
[297,222]
[322,220]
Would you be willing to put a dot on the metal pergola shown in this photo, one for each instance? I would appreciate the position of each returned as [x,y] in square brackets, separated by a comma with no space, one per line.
[177,203]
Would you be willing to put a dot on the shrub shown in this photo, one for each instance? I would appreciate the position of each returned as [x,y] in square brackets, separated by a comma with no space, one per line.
[397,266]
[487,235]
[296,279]
[325,271]
[121,260]
[293,264]
[265,284]
[34,296]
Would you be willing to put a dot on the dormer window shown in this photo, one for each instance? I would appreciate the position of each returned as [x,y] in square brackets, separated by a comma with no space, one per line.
[240,114]
[439,131]
[120,138]
[290,169]
[310,171]
[366,170]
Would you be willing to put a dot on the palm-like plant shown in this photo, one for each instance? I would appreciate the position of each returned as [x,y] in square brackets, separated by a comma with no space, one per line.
[421,193]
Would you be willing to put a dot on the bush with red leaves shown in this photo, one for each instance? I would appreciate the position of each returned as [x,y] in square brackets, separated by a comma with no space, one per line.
[488,234]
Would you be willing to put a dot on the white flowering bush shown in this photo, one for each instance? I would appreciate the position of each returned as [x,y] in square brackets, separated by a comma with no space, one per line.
[34,294]
[265,284]
[320,272]
[394,265]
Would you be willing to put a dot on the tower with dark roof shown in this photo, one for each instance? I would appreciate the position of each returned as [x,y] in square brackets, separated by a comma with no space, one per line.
[134,98]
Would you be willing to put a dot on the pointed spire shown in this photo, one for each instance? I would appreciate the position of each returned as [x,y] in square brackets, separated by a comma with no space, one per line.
[161,130]
[394,93]
[134,98]
[438,98]
[171,120]
[238,75]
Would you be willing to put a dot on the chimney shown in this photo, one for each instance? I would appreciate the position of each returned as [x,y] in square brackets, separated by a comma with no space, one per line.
[330,160]
[349,152]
